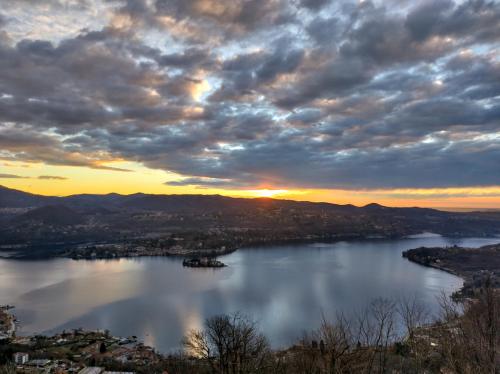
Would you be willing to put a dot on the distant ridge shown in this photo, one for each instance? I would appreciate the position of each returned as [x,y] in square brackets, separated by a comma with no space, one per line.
[12,198]
[374,206]
[216,221]
[55,215]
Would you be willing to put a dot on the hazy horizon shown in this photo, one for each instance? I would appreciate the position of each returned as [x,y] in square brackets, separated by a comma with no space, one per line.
[277,197]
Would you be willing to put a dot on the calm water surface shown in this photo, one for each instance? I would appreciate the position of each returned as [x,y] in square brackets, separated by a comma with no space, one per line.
[284,288]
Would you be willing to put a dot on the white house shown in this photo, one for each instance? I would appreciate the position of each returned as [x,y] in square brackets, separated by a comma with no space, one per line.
[20,358]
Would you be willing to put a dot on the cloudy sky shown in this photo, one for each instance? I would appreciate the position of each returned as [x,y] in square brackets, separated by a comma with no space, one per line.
[392,101]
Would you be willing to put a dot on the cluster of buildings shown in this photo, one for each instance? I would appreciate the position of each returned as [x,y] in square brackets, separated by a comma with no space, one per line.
[72,352]
[26,366]
[146,247]
[479,280]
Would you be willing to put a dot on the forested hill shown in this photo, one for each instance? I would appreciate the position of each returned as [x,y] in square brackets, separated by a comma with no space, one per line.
[225,221]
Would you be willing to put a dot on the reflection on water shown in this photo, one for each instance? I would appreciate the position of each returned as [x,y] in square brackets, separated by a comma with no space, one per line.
[285,289]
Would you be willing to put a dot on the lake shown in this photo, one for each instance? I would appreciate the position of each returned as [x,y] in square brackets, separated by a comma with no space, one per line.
[285,288]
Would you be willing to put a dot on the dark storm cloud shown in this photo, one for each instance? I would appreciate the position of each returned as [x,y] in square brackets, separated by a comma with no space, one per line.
[46,177]
[10,176]
[207,182]
[200,21]
[244,74]
[24,143]
[426,18]
[305,116]
[240,15]
[473,19]
[298,164]
[191,57]
[314,4]
[3,20]
[324,30]
[82,81]
[52,177]
[334,78]
[382,40]
[240,94]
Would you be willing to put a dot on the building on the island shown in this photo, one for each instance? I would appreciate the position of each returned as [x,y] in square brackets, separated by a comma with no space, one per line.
[20,358]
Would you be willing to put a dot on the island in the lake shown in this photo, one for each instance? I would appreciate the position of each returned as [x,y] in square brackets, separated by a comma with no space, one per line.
[479,267]
[203,262]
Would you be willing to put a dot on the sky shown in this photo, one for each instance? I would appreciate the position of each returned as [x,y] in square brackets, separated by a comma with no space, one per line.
[388,101]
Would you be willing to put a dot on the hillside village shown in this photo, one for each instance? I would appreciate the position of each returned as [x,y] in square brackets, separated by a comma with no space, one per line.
[75,351]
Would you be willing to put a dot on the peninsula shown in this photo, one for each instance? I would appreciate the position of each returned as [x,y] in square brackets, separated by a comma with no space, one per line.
[479,267]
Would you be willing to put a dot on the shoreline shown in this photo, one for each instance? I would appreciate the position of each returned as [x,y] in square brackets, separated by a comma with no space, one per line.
[111,251]
[477,267]
[83,347]
[456,294]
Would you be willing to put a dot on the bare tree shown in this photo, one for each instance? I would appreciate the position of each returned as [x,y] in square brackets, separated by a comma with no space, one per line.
[325,350]
[413,315]
[470,342]
[377,329]
[305,357]
[230,344]
[335,342]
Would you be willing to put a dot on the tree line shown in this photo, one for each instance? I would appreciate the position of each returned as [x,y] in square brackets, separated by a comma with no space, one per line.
[388,336]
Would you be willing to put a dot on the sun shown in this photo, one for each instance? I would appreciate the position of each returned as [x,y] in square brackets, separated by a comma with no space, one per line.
[267,193]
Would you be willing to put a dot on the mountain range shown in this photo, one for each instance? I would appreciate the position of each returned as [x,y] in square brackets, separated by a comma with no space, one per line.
[28,219]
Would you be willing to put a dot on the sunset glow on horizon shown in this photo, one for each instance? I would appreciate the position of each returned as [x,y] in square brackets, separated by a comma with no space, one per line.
[64,181]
